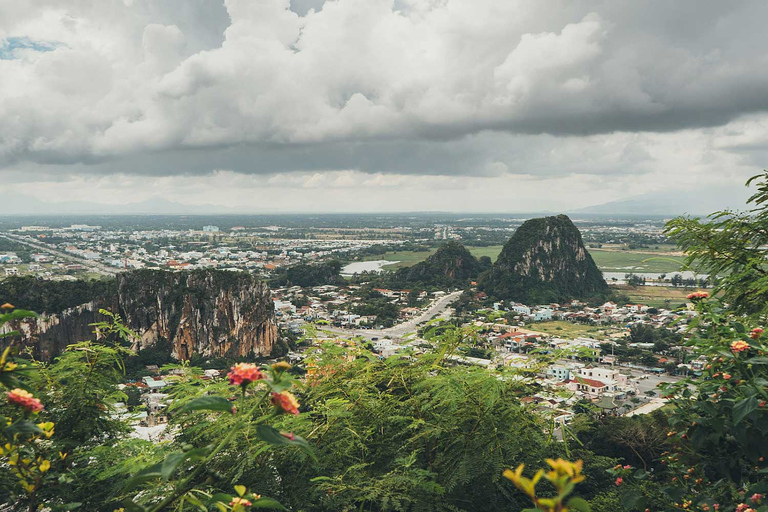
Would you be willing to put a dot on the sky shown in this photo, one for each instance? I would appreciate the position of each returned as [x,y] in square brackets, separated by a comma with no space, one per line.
[382,105]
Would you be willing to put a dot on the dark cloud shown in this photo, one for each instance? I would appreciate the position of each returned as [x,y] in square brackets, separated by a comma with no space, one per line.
[411,87]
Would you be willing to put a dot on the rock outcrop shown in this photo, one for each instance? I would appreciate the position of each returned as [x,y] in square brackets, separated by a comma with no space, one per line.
[212,313]
[545,261]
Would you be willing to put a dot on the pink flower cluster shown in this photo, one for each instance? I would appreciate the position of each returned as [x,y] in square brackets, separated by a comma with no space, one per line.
[739,346]
[243,374]
[756,333]
[286,401]
[743,507]
[698,295]
[25,400]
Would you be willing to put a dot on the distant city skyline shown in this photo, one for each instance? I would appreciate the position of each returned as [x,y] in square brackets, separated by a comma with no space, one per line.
[381,105]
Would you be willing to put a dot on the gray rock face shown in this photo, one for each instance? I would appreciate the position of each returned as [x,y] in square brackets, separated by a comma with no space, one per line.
[213,313]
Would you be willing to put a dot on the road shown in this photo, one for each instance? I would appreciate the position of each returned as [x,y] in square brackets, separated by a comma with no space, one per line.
[437,307]
[93,265]
[655,403]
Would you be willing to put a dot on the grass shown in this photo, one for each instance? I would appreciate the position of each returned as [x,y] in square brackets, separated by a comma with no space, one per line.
[565,329]
[655,296]
[631,261]
[492,251]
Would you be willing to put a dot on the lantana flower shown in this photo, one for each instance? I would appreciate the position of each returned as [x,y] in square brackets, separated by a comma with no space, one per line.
[286,401]
[243,374]
[240,501]
[698,295]
[739,346]
[24,399]
[756,333]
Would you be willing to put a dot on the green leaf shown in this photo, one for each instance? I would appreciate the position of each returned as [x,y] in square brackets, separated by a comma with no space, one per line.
[207,403]
[578,504]
[171,462]
[220,497]
[273,436]
[130,506]
[65,507]
[743,408]
[631,499]
[146,474]
[196,502]
[22,427]
[267,503]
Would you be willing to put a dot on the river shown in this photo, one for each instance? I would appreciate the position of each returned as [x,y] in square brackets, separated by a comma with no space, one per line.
[363,266]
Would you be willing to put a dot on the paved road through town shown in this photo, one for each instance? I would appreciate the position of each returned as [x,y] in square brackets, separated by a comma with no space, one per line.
[93,265]
[438,307]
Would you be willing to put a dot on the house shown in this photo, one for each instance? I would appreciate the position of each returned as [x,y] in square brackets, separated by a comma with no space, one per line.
[604,374]
[153,384]
[542,315]
[559,372]
[591,387]
[522,309]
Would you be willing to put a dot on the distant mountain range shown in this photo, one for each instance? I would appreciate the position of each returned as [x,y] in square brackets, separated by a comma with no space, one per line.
[694,201]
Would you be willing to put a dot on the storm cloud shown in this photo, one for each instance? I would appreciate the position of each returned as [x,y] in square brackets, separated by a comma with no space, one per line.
[474,88]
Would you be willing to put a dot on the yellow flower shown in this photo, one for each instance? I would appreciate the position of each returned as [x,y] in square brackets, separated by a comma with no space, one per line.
[47,428]
[563,467]
[45,466]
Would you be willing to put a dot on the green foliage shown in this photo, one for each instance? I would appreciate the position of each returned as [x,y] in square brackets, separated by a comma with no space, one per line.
[52,296]
[310,275]
[717,423]
[733,246]
[451,265]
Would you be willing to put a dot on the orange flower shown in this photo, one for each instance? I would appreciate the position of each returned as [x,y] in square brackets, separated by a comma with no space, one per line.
[25,399]
[281,366]
[756,333]
[739,346]
[243,374]
[727,376]
[7,305]
[240,501]
[698,295]
[286,401]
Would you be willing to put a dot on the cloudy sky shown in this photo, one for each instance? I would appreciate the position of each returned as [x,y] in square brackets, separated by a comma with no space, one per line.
[382,105]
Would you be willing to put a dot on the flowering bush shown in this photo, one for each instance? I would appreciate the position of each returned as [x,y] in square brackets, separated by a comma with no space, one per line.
[187,469]
[24,442]
[719,423]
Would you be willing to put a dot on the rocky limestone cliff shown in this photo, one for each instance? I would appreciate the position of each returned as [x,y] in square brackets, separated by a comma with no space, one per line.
[545,261]
[213,313]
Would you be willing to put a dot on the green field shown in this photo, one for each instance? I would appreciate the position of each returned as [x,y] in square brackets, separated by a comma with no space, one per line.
[568,329]
[655,296]
[626,261]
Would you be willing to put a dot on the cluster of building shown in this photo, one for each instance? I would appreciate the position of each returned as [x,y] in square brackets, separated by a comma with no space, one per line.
[210,247]
[606,314]
[335,305]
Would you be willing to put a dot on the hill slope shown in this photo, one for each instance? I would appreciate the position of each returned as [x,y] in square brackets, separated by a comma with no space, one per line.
[545,261]
[451,265]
